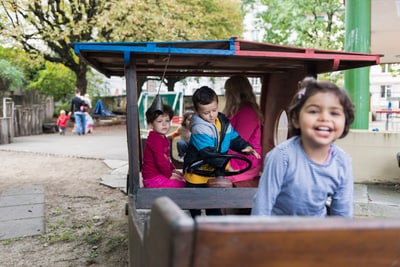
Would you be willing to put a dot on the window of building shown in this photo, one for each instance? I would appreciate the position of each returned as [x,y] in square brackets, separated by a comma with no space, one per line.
[386,91]
[383,91]
[385,68]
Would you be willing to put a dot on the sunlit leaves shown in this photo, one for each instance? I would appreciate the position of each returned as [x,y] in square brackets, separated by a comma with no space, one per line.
[49,26]
[11,77]
[171,20]
[55,80]
[306,23]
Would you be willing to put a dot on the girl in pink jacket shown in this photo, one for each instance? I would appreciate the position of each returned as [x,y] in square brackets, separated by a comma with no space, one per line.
[246,118]
[158,171]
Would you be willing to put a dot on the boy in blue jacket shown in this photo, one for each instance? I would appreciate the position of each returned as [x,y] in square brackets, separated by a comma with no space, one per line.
[212,134]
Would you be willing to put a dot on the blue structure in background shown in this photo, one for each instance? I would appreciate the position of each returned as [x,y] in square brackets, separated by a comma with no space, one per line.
[101,109]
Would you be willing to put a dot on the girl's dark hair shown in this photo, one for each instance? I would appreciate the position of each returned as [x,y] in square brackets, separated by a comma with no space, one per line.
[151,115]
[309,87]
[204,96]
[186,115]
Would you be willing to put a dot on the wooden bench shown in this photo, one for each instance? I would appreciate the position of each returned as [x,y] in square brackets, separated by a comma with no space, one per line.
[172,238]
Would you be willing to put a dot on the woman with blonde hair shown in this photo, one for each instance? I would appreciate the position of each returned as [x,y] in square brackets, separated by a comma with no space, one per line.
[246,118]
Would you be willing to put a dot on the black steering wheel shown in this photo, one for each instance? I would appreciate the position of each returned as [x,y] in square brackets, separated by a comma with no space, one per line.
[220,171]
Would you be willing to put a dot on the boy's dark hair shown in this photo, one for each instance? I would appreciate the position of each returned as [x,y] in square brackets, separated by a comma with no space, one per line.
[151,115]
[186,115]
[204,96]
[309,87]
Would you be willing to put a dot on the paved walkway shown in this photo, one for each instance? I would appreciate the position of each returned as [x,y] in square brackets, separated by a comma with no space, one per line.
[107,142]
[376,200]
[22,210]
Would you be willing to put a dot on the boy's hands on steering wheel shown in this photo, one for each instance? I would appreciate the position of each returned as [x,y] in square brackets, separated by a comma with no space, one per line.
[250,150]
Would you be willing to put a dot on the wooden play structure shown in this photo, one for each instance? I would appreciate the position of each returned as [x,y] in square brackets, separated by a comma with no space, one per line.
[170,237]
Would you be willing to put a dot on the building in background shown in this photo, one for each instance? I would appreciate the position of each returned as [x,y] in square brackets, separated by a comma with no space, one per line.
[384,87]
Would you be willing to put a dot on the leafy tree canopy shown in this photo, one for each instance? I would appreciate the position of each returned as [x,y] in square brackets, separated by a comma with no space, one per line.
[11,78]
[55,80]
[306,23]
[27,63]
[48,27]
[171,20]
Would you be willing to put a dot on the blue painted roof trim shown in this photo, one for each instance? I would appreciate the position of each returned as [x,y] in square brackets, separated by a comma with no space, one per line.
[154,47]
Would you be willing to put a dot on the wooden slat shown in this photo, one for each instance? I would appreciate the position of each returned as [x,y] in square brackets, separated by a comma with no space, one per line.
[296,242]
[168,238]
[198,198]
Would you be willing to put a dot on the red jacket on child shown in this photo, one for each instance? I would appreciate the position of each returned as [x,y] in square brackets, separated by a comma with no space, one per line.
[62,120]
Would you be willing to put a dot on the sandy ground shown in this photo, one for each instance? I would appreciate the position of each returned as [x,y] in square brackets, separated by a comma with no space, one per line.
[85,221]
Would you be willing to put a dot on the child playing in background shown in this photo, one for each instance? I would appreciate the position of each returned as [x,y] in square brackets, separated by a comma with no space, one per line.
[62,121]
[212,135]
[302,172]
[89,123]
[184,132]
[88,102]
[158,171]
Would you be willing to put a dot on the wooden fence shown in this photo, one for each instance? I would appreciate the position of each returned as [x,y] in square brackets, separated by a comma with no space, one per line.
[25,115]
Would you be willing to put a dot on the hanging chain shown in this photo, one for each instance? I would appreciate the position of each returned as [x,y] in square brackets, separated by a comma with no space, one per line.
[163,76]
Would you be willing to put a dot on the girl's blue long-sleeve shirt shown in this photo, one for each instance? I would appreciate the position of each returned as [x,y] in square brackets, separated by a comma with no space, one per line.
[292,184]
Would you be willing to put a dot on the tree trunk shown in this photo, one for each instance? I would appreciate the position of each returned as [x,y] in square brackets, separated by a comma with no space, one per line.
[81,80]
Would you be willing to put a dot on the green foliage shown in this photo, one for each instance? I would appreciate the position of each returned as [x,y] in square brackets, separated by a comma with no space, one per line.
[11,78]
[55,80]
[307,23]
[317,24]
[27,63]
[59,232]
[92,236]
[48,27]
[394,69]
[63,106]
[96,85]
[170,20]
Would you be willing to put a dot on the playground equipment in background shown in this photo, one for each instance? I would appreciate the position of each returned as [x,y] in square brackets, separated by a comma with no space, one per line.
[100,109]
[174,99]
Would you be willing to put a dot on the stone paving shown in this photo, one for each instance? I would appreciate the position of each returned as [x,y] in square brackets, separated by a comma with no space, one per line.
[22,212]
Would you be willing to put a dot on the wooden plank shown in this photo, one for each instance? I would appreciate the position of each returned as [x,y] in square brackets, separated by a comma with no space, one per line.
[198,198]
[136,229]
[168,241]
[299,242]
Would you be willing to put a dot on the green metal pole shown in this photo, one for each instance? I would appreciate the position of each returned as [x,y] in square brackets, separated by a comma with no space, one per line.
[357,39]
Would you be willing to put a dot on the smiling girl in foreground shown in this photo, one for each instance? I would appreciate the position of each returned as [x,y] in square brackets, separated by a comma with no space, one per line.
[301,173]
